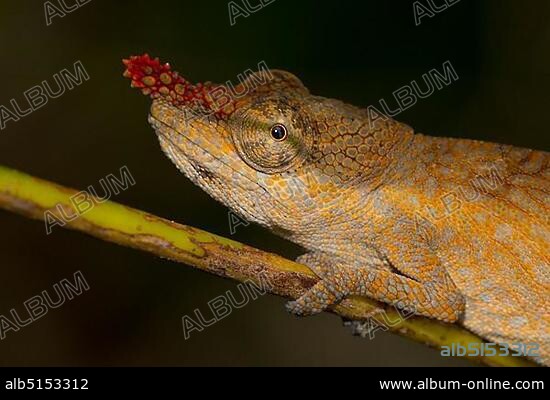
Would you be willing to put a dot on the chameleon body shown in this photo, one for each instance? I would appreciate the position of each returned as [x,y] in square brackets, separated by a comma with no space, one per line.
[453,229]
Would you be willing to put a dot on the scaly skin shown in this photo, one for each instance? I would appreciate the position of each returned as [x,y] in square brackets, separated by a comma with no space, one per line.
[453,229]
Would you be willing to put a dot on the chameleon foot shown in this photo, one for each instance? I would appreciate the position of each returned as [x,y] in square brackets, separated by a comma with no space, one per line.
[322,295]
[427,299]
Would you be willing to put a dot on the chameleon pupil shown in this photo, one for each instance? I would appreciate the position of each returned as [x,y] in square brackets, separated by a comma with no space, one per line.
[278,132]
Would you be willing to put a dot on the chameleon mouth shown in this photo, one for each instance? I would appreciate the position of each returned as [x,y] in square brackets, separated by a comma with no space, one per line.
[172,135]
[203,172]
[213,169]
[213,183]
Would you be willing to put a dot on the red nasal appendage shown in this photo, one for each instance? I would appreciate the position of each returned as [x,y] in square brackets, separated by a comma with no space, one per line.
[158,80]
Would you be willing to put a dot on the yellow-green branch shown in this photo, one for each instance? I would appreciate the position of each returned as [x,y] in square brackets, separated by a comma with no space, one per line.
[113,222]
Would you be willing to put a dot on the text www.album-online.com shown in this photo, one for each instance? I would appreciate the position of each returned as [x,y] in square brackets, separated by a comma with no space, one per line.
[487,383]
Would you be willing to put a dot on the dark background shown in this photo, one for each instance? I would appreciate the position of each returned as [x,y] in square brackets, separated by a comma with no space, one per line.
[355,51]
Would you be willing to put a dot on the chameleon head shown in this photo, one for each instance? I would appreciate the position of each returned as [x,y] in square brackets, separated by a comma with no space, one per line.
[243,158]
[275,154]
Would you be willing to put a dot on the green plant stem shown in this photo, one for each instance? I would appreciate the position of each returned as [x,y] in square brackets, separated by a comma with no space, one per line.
[113,222]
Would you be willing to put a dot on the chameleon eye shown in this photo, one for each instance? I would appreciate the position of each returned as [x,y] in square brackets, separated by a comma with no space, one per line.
[271,136]
[279,132]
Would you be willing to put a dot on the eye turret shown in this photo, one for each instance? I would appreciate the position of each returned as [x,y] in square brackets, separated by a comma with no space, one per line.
[272,135]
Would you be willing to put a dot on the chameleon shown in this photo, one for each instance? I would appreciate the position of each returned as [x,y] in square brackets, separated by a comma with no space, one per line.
[452,229]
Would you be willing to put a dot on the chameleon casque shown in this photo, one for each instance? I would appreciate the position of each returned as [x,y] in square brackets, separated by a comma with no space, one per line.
[457,230]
